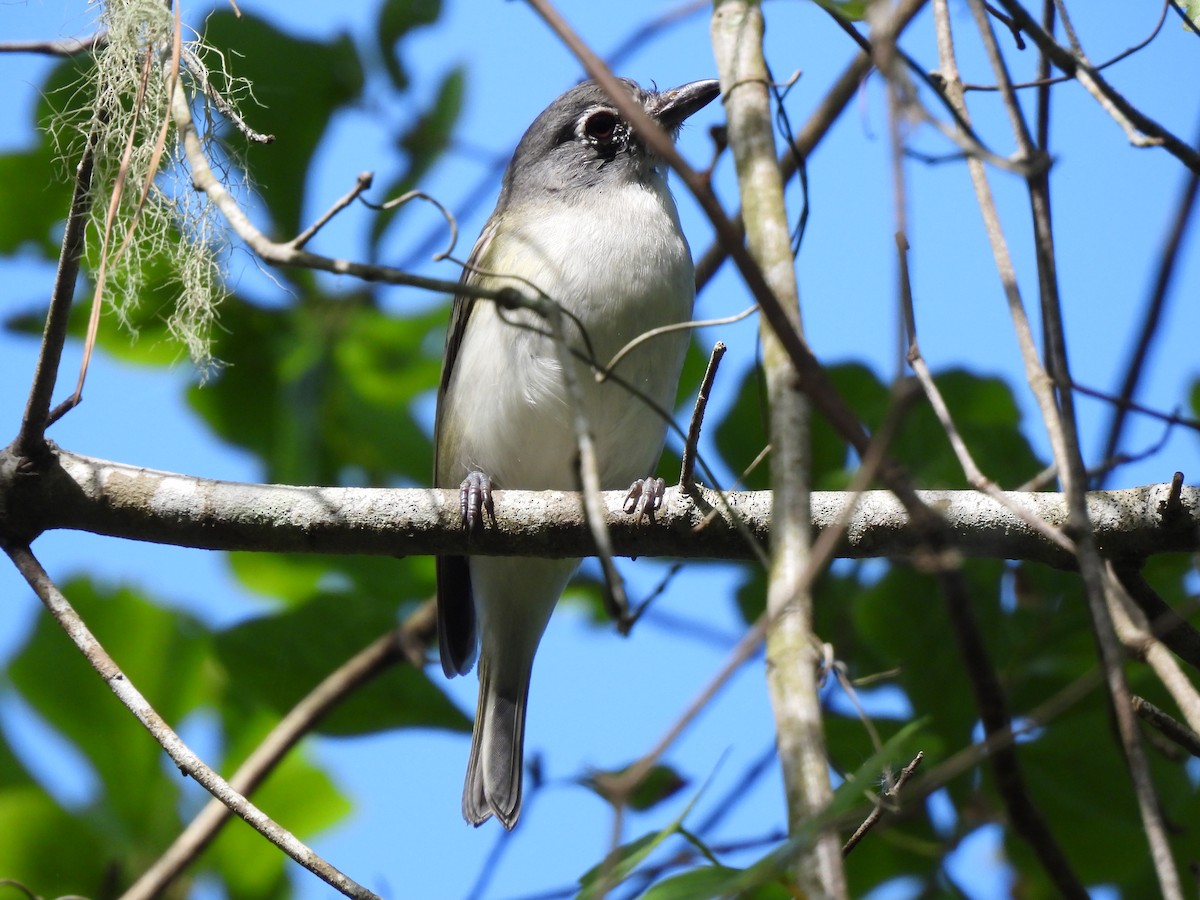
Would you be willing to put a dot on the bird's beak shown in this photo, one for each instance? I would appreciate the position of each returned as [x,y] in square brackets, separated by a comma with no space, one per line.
[671,107]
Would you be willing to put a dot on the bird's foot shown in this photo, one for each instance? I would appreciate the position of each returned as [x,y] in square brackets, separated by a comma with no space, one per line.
[475,500]
[645,497]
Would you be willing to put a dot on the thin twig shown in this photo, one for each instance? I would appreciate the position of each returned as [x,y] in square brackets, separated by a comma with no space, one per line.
[892,792]
[183,757]
[362,183]
[603,373]
[405,642]
[59,47]
[822,551]
[687,466]
[31,441]
[199,72]
[829,108]
[1124,54]
[1026,818]
[283,254]
[1122,111]
[1170,727]
[975,476]
[1154,315]
[1069,455]
[589,474]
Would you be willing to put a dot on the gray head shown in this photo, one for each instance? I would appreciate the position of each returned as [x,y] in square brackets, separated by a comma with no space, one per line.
[581,141]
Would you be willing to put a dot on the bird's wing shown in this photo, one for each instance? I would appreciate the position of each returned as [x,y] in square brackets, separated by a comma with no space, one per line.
[456,603]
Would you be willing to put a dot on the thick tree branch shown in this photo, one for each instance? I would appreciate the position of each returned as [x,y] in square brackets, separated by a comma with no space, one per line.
[82,493]
[737,37]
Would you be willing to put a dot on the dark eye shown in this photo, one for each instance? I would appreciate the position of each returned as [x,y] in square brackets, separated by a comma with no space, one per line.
[600,126]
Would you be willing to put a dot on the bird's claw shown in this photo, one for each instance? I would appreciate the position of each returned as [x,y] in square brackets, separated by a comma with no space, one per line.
[475,499]
[645,497]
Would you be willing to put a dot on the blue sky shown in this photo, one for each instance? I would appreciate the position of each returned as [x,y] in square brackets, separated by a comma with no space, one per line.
[598,699]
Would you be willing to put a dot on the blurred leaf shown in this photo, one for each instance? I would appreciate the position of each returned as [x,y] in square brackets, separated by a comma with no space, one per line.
[424,143]
[710,881]
[1192,9]
[742,433]
[38,184]
[33,203]
[620,863]
[34,825]
[321,79]
[324,392]
[298,578]
[773,867]
[854,10]
[752,592]
[396,19]
[660,783]
[163,653]
[278,659]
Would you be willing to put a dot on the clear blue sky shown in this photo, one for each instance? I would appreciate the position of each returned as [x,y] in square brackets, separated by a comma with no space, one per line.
[602,700]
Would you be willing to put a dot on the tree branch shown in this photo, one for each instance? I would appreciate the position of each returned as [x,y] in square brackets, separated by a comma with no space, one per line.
[86,494]
[187,761]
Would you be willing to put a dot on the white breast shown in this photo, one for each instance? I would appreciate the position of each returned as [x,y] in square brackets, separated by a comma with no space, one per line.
[620,264]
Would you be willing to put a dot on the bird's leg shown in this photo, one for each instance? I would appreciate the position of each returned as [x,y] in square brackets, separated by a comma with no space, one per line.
[475,499]
[645,497]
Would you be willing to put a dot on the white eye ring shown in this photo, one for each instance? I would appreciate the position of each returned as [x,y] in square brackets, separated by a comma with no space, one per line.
[599,126]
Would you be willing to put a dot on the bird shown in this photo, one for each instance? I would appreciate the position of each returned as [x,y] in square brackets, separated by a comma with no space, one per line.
[585,218]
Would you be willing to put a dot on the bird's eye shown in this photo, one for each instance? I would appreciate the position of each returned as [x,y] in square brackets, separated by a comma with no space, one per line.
[600,126]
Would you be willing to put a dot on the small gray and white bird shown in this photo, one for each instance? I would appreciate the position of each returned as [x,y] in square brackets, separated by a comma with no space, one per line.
[585,217]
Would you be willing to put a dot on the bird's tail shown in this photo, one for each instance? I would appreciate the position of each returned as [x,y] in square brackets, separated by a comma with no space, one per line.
[493,785]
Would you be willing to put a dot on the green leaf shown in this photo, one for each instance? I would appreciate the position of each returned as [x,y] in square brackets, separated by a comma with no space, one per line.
[323,393]
[1191,9]
[278,659]
[163,653]
[854,10]
[424,142]
[38,183]
[396,19]
[49,850]
[660,783]
[742,434]
[709,881]
[321,79]
[620,863]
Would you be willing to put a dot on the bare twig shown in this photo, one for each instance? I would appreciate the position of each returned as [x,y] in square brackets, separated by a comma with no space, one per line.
[283,254]
[1027,819]
[362,183]
[891,793]
[1153,316]
[31,441]
[1172,728]
[1068,455]
[687,466]
[405,642]
[604,371]
[59,47]
[199,73]
[1124,54]
[974,474]
[1142,130]
[187,761]
[809,137]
